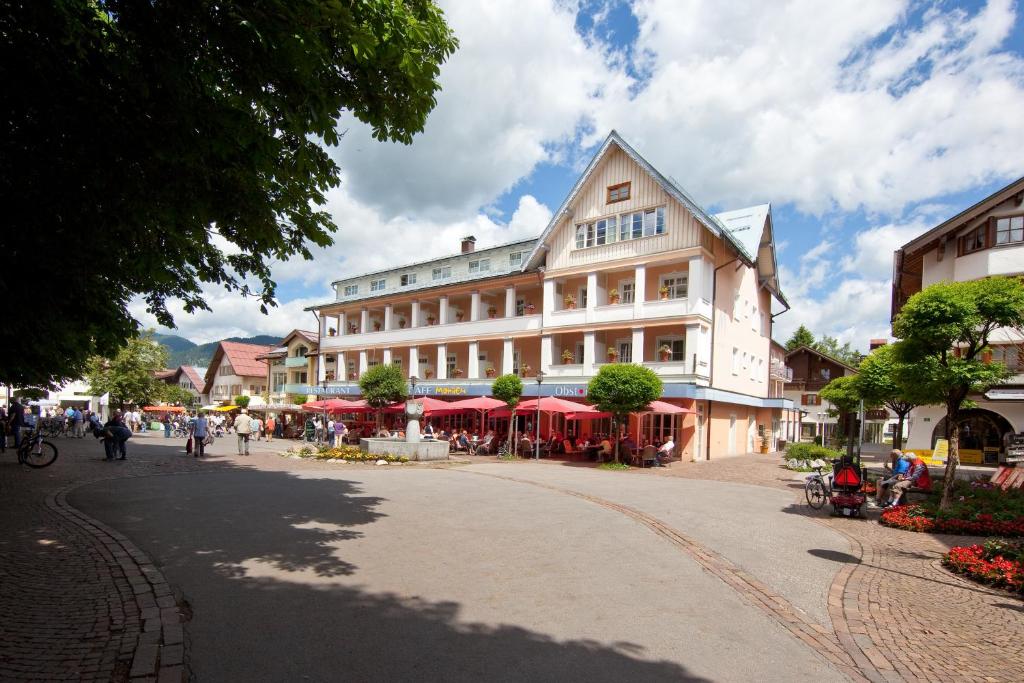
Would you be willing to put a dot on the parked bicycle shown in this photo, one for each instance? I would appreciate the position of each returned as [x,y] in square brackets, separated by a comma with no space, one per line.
[35,451]
[818,487]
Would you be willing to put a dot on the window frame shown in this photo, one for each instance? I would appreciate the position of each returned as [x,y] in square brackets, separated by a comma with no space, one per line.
[480,264]
[351,290]
[605,230]
[678,275]
[441,273]
[378,285]
[1009,230]
[513,262]
[622,291]
[670,340]
[968,243]
[615,194]
[407,279]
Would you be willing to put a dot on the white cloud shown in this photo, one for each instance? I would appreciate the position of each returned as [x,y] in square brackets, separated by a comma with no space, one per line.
[521,83]
[856,310]
[814,103]
[873,248]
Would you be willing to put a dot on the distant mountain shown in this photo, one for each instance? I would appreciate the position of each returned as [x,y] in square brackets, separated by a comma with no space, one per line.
[181,351]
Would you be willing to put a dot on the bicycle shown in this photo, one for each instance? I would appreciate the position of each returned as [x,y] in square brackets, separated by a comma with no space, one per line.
[35,452]
[818,488]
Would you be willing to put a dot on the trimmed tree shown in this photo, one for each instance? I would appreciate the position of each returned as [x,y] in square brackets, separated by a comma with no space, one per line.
[508,388]
[181,145]
[129,377]
[844,395]
[242,401]
[880,383]
[944,331]
[621,389]
[381,386]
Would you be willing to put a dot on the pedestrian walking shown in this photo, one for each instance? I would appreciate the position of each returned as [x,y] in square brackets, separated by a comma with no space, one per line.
[243,428]
[340,430]
[77,423]
[117,435]
[200,432]
[269,427]
[16,420]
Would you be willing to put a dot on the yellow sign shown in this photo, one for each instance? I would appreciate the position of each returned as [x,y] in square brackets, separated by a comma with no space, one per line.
[450,391]
[941,451]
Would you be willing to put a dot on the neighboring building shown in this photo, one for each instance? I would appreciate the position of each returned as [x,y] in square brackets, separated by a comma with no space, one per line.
[236,369]
[986,239]
[293,362]
[810,371]
[629,269]
[187,377]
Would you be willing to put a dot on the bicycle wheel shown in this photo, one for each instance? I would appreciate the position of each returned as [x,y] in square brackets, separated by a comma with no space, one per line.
[39,454]
[815,491]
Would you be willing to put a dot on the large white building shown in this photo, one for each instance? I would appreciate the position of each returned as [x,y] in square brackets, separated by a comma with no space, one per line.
[986,239]
[630,269]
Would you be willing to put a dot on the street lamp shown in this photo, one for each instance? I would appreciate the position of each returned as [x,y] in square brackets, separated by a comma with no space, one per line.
[536,444]
[412,381]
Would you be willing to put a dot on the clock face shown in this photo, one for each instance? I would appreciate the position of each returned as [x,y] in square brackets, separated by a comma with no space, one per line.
[413,409]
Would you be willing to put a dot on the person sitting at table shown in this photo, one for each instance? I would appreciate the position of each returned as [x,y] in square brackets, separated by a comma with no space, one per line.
[525,444]
[484,447]
[462,442]
[606,448]
[383,433]
[664,451]
[628,443]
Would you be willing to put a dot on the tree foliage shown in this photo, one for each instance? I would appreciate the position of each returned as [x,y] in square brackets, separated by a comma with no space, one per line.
[242,401]
[178,395]
[944,330]
[623,388]
[827,345]
[880,381]
[508,388]
[844,395]
[382,385]
[801,337]
[154,147]
[130,375]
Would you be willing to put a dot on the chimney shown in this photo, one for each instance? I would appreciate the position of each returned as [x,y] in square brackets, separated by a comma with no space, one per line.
[468,244]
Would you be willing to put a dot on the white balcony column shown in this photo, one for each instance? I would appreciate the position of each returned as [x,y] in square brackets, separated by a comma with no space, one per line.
[639,290]
[592,293]
[340,369]
[343,323]
[386,357]
[323,324]
[589,352]
[321,368]
[694,286]
[473,371]
[414,362]
[363,364]
[693,348]
[474,305]
[510,301]
[546,355]
[507,353]
[415,314]
[442,361]
[548,304]
[389,317]
[638,345]
[442,311]
[364,321]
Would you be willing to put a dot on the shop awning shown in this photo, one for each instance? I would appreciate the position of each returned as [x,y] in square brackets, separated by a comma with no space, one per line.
[662,408]
[163,409]
[336,405]
[570,409]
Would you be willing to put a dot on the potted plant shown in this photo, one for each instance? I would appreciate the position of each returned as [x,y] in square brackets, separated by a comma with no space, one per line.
[331,332]
[613,354]
[457,372]
[568,357]
[665,351]
[428,373]
[376,326]
[529,308]
[525,370]
[401,323]
[570,301]
[352,376]
[492,311]
[663,291]
[613,296]
[489,372]
[431,320]
[459,315]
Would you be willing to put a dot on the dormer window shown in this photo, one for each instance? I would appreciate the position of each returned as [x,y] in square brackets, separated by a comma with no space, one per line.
[408,279]
[480,266]
[618,193]
[377,285]
[351,290]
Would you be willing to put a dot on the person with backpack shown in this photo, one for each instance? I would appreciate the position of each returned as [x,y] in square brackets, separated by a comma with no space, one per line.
[243,428]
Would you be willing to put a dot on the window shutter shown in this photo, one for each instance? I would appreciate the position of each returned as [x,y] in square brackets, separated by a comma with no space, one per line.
[990,236]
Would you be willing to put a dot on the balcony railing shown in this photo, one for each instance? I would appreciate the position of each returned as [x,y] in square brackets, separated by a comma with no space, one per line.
[295,362]
[434,333]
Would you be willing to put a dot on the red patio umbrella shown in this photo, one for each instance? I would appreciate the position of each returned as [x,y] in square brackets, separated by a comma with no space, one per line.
[431,406]
[662,408]
[571,410]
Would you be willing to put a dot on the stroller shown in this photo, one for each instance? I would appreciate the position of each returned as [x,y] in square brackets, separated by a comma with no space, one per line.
[846,497]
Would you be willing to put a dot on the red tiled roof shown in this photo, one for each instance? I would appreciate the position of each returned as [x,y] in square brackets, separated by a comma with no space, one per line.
[241,357]
[164,374]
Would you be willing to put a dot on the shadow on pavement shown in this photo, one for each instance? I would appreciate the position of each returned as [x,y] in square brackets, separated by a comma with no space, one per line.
[260,556]
[834,555]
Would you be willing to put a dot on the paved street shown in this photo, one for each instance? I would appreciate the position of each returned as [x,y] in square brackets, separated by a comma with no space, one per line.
[282,569]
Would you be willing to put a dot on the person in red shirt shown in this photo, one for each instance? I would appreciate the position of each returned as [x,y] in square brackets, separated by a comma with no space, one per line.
[917,475]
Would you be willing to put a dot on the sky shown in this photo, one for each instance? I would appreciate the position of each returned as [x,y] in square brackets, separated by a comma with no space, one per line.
[862,122]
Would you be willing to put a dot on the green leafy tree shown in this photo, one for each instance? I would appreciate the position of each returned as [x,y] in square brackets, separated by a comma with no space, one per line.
[381,386]
[880,382]
[621,389]
[944,330]
[177,395]
[166,145]
[129,377]
[844,395]
[509,388]
[297,399]
[801,337]
[845,353]
[242,401]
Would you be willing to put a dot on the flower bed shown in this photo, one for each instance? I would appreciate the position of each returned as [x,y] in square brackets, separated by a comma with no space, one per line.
[998,563]
[978,509]
[349,453]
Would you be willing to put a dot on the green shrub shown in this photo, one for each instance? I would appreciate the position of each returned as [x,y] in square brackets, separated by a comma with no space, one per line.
[349,453]
[810,451]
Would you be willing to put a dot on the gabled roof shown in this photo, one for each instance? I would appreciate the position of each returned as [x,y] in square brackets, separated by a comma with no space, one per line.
[747,236]
[310,337]
[194,375]
[241,357]
[819,354]
[957,221]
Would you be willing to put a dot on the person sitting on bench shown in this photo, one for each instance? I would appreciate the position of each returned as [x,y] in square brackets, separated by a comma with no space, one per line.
[917,475]
[899,463]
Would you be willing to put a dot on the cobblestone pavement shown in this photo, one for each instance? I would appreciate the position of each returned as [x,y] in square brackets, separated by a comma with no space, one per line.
[908,617]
